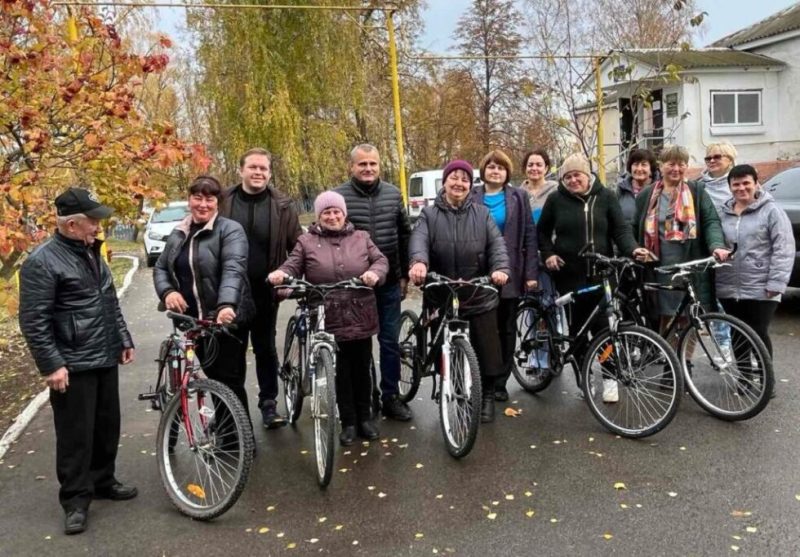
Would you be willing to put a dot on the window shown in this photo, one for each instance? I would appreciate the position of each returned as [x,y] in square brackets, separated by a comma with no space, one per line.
[733,108]
[415,187]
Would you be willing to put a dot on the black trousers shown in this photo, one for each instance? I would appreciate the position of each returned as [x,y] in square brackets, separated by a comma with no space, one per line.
[87,423]
[485,340]
[507,329]
[229,365]
[261,333]
[353,380]
[756,313]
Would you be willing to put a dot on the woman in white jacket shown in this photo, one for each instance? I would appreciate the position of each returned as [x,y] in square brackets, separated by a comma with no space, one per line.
[751,287]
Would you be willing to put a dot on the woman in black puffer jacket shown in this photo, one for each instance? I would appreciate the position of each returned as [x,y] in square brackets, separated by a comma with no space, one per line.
[459,239]
[203,273]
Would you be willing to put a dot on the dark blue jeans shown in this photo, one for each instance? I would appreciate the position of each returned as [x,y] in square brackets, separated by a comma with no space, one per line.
[388,297]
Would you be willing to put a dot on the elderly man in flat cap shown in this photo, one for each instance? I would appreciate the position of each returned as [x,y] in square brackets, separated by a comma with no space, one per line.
[72,322]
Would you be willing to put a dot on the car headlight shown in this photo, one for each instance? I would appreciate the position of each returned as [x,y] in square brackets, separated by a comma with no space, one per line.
[155,235]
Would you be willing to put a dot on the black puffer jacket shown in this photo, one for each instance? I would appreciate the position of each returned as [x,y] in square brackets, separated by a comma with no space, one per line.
[69,313]
[460,243]
[218,256]
[379,210]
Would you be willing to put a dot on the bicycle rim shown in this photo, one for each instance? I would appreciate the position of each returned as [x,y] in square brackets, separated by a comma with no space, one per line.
[643,370]
[460,399]
[323,412]
[204,467]
[291,373]
[731,383]
[410,349]
[531,365]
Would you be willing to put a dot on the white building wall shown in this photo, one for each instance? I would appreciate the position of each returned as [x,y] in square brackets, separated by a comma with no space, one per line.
[787,106]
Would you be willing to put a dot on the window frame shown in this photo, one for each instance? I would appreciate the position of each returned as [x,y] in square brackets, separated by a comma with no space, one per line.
[736,93]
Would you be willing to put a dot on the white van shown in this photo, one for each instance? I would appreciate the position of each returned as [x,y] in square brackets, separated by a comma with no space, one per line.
[422,189]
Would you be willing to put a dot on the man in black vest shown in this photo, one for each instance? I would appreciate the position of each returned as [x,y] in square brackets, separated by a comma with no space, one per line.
[272,227]
[377,207]
[72,322]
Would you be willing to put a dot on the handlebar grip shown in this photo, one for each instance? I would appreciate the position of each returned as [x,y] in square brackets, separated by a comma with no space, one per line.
[564,300]
[180,317]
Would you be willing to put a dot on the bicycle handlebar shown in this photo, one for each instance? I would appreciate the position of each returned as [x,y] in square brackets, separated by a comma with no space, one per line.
[294,283]
[435,279]
[199,323]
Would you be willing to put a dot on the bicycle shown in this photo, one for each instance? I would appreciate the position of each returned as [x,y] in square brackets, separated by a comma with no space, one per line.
[309,367]
[205,445]
[730,385]
[459,392]
[634,359]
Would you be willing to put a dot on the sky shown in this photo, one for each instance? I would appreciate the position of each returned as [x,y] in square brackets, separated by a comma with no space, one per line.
[724,17]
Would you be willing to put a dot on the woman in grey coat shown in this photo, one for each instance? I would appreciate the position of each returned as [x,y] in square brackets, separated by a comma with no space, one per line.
[458,238]
[751,287]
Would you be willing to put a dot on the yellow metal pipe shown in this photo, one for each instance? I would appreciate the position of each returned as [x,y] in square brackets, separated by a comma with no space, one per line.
[398,124]
[601,149]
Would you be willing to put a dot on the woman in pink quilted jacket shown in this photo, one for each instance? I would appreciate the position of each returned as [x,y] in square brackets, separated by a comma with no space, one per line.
[331,251]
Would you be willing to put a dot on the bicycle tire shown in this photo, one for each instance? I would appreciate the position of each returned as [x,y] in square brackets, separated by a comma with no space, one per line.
[409,356]
[649,383]
[206,480]
[460,399]
[323,412]
[729,388]
[291,373]
[530,375]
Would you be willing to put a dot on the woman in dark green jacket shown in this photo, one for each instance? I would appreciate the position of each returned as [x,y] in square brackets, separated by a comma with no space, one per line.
[582,212]
[677,221]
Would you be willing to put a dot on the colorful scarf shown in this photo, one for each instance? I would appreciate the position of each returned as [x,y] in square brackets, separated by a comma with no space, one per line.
[680,224]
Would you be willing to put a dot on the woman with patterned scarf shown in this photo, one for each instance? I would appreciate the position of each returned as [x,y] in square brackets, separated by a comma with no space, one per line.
[677,221]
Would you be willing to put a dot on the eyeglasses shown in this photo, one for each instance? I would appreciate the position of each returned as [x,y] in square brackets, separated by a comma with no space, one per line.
[713,158]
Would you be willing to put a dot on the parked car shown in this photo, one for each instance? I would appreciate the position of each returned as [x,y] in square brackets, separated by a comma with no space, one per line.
[423,187]
[785,188]
[159,226]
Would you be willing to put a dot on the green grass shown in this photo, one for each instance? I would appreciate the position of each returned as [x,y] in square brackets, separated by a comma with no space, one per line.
[123,246]
[306,218]
[119,268]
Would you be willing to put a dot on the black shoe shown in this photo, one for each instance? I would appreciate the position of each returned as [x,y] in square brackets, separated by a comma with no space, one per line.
[500,394]
[394,409]
[348,435]
[75,522]
[116,492]
[487,410]
[270,416]
[368,431]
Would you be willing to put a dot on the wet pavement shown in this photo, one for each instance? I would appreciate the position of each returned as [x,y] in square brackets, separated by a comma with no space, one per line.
[548,482]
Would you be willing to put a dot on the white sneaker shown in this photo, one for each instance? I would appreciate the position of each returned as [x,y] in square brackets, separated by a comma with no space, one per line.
[610,391]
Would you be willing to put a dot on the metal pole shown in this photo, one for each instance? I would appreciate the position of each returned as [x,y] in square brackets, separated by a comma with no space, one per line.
[398,124]
[601,149]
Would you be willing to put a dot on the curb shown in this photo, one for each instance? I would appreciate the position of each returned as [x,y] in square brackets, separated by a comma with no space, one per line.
[24,418]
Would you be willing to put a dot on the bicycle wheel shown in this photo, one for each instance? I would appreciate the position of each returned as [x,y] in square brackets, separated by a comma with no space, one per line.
[730,383]
[323,412]
[410,351]
[291,373]
[204,456]
[531,365]
[638,369]
[460,398]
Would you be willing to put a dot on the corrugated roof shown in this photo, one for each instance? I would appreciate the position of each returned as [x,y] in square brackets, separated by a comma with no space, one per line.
[702,58]
[781,22]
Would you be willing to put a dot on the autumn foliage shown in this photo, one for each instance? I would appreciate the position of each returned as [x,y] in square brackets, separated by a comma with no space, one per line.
[68,114]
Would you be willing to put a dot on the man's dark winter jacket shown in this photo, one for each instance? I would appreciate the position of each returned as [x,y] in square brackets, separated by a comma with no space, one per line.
[569,222]
[460,243]
[520,236]
[218,257]
[378,209]
[69,311]
[269,221]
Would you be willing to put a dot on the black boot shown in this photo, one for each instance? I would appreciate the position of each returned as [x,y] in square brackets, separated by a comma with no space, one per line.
[487,408]
[348,435]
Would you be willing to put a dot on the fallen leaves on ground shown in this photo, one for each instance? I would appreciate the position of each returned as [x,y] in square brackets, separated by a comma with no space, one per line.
[608,535]
[512,412]
[619,486]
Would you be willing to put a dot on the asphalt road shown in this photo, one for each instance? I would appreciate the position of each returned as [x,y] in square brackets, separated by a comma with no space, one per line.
[542,483]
